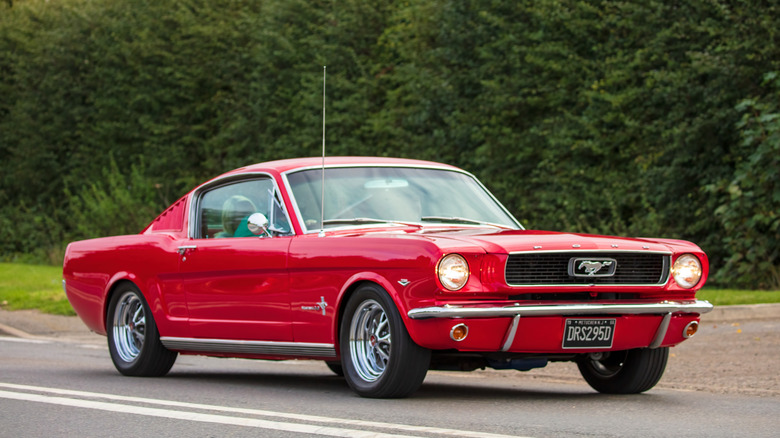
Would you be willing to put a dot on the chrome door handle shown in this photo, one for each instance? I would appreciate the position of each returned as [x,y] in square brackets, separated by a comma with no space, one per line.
[182,249]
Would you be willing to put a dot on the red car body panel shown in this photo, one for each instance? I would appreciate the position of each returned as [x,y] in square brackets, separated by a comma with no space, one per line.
[292,289]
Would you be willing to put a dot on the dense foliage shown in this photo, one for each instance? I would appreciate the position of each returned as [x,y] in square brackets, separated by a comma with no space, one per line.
[639,118]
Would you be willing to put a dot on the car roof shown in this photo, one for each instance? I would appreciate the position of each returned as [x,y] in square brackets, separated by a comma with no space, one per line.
[287,165]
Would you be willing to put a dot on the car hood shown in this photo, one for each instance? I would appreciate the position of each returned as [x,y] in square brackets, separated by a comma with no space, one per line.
[509,241]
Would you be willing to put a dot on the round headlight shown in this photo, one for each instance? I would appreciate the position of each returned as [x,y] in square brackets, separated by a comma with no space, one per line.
[453,271]
[687,271]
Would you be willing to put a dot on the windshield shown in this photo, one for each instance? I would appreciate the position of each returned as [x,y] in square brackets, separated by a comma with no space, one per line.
[371,195]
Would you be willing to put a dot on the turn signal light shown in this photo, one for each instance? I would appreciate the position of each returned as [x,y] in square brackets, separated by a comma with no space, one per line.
[690,329]
[459,332]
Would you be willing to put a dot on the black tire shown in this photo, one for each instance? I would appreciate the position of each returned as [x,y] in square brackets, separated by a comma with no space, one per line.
[378,357]
[624,372]
[335,367]
[133,340]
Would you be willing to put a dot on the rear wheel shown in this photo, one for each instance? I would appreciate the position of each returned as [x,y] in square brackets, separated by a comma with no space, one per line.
[133,340]
[379,359]
[624,372]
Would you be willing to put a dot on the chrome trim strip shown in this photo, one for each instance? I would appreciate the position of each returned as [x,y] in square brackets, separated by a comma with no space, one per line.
[510,334]
[586,250]
[665,279]
[660,334]
[263,348]
[590,285]
[447,311]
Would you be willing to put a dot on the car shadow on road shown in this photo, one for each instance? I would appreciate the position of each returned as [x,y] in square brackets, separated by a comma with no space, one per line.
[438,387]
[430,391]
[477,392]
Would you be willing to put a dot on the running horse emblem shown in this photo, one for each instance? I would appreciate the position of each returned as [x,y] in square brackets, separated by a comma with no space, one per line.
[591,268]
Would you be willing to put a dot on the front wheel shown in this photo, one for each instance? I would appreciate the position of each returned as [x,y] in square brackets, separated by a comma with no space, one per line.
[133,340]
[379,359]
[624,372]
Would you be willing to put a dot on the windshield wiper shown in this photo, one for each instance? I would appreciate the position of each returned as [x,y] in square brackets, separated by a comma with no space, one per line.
[459,220]
[354,220]
[367,220]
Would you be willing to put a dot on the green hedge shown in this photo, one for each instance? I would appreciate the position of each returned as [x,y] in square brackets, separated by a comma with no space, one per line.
[637,118]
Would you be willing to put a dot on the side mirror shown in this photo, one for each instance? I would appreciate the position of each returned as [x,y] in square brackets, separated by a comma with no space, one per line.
[258,224]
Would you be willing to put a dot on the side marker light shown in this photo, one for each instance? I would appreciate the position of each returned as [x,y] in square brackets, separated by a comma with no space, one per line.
[459,332]
[690,329]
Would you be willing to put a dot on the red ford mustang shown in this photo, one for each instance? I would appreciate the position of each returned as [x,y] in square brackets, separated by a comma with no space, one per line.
[384,268]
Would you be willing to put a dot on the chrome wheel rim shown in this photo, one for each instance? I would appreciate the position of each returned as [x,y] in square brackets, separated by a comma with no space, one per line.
[129,326]
[369,340]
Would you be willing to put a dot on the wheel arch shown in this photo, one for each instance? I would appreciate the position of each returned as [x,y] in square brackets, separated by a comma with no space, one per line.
[112,288]
[349,288]
[381,360]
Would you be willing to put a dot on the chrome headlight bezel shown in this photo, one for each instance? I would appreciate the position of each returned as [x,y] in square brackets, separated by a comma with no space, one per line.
[687,271]
[453,272]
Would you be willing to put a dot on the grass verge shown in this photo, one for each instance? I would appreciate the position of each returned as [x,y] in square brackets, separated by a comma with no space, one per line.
[730,297]
[33,287]
[40,287]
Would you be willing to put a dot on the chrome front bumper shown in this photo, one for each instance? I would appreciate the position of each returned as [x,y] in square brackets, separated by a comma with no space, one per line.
[664,309]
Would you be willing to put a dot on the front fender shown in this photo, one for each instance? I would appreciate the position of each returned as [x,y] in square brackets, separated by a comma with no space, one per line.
[404,290]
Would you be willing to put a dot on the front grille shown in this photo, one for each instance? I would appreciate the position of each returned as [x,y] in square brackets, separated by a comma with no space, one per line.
[552,269]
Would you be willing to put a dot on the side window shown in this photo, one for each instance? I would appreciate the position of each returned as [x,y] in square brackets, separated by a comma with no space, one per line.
[224,210]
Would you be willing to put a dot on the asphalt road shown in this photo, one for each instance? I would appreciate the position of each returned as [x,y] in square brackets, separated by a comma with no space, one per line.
[60,382]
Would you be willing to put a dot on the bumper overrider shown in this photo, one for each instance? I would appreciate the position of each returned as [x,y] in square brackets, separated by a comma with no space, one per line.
[656,319]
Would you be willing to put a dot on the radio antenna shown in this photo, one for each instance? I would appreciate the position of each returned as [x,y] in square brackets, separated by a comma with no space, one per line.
[322,194]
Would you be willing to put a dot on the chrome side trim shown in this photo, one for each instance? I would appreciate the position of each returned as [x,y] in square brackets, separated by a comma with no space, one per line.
[561,310]
[249,347]
[660,334]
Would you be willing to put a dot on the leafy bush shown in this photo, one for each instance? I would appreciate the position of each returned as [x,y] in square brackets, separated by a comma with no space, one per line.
[118,203]
[638,118]
[750,200]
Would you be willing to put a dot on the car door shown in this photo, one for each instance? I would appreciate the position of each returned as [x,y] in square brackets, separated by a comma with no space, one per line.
[236,283]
